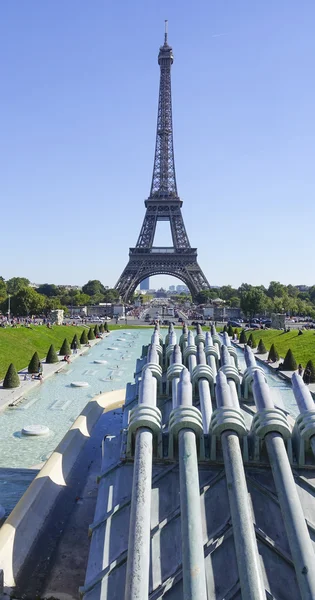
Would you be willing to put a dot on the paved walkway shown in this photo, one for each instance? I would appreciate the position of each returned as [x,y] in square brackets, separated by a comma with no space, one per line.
[13,395]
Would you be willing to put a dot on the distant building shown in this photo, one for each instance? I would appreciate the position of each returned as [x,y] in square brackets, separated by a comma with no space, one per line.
[161,293]
[172,288]
[182,288]
[145,284]
[303,288]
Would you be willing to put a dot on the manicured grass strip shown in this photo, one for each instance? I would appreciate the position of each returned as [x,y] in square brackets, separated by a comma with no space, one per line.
[17,345]
[302,346]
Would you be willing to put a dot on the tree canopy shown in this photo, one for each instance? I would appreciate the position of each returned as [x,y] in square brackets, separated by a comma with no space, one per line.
[93,287]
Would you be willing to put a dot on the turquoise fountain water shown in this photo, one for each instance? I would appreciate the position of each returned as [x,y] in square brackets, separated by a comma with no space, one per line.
[56,404]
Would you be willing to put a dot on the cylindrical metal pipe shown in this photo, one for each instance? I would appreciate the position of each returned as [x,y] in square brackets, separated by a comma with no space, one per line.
[292,514]
[302,394]
[204,391]
[249,357]
[176,358]
[244,534]
[243,531]
[138,562]
[194,579]
[226,339]
[225,356]
[209,340]
[192,360]
[153,358]
[304,400]
[291,509]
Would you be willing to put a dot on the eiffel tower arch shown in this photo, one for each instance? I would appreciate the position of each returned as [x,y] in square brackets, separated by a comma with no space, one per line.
[163,204]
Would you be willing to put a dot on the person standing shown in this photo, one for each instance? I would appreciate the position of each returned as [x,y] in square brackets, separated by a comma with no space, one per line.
[300,370]
[307,376]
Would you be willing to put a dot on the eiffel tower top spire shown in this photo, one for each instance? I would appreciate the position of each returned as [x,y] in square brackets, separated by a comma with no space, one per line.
[164,178]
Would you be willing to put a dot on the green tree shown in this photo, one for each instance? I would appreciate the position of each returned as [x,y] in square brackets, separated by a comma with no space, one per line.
[227,292]
[311,368]
[292,291]
[51,356]
[52,304]
[75,344]
[273,355]
[27,302]
[48,289]
[235,302]
[106,327]
[91,335]
[65,348]
[289,363]
[230,331]
[15,284]
[276,289]
[252,301]
[96,330]
[84,337]
[102,328]
[34,364]
[204,297]
[251,341]
[261,347]
[225,329]
[81,299]
[92,287]
[111,295]
[243,338]
[11,379]
[3,290]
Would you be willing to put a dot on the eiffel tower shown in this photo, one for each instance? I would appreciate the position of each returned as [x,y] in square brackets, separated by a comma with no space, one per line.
[163,204]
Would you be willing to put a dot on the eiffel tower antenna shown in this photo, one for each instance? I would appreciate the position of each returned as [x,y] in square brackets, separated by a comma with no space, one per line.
[163,204]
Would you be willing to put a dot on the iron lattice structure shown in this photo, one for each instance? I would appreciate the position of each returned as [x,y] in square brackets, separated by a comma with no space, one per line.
[163,204]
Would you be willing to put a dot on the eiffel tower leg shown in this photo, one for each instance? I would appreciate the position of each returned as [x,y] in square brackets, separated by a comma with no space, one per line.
[183,266]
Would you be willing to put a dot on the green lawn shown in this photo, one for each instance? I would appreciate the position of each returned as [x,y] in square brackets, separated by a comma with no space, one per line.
[17,345]
[302,346]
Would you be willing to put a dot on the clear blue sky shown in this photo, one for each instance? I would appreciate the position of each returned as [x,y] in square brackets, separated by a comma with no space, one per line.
[79,90]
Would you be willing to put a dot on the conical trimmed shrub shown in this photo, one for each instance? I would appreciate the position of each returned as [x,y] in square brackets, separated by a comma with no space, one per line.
[236,331]
[273,354]
[309,367]
[243,338]
[11,379]
[251,341]
[91,335]
[96,330]
[34,365]
[65,348]
[75,344]
[230,331]
[261,347]
[106,327]
[84,337]
[51,356]
[289,363]
[102,328]
[225,328]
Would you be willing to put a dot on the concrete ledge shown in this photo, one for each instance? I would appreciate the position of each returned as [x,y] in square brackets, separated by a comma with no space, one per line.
[19,532]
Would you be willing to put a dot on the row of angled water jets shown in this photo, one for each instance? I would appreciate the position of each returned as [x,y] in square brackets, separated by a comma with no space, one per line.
[212,367]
